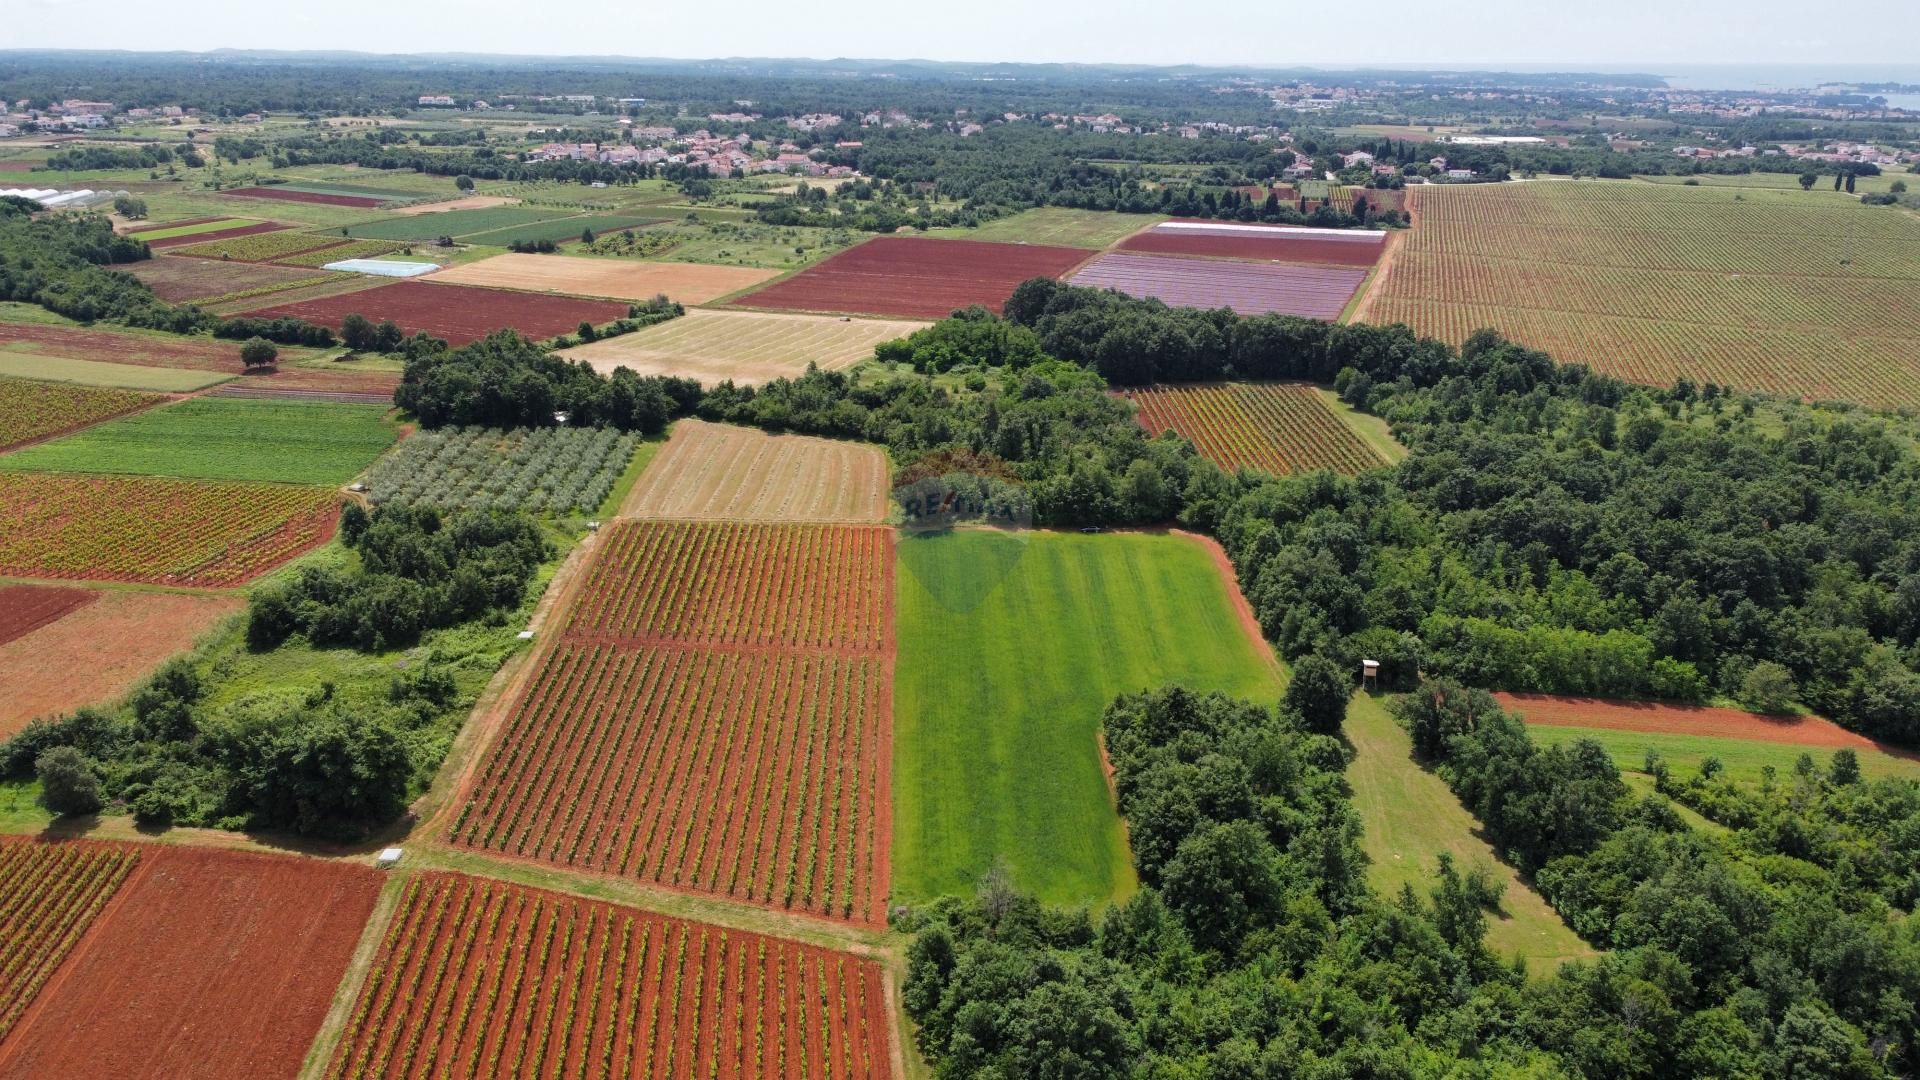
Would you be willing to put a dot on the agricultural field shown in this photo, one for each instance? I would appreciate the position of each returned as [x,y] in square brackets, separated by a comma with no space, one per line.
[550,470]
[616,278]
[728,243]
[1057,225]
[286,194]
[748,347]
[460,314]
[99,650]
[181,281]
[454,223]
[51,893]
[26,608]
[195,227]
[210,963]
[719,472]
[1249,288]
[338,251]
[482,978]
[914,277]
[1790,181]
[262,247]
[1279,427]
[60,369]
[714,718]
[1273,243]
[218,438]
[198,234]
[559,230]
[1651,282]
[1011,646]
[119,347]
[157,530]
[1743,761]
[36,410]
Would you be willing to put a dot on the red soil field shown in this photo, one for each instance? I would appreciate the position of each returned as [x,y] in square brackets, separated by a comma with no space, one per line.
[1270,242]
[1669,719]
[207,963]
[50,893]
[1280,427]
[283,195]
[219,234]
[822,587]
[915,276]
[458,313]
[156,226]
[485,978]
[1317,292]
[80,343]
[26,608]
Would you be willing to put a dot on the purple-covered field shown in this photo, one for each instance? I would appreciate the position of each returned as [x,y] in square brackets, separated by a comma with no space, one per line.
[1318,292]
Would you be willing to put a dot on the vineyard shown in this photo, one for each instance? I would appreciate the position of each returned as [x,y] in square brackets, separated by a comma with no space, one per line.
[172,532]
[261,247]
[1279,427]
[35,410]
[818,587]
[50,894]
[1748,289]
[550,470]
[716,717]
[1249,288]
[480,978]
[748,347]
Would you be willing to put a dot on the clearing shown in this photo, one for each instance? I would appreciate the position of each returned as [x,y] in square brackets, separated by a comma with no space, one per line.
[747,347]
[621,279]
[99,651]
[720,472]
[1011,646]
[1279,427]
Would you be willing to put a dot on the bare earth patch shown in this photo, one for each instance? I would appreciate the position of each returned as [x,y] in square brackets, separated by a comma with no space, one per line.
[471,202]
[1662,718]
[715,472]
[689,283]
[97,652]
[747,347]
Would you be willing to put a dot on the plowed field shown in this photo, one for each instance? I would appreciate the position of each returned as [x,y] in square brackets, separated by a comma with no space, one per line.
[49,894]
[210,963]
[1276,243]
[718,472]
[689,283]
[458,313]
[915,277]
[1318,292]
[26,608]
[176,279]
[81,343]
[481,978]
[1280,427]
[215,234]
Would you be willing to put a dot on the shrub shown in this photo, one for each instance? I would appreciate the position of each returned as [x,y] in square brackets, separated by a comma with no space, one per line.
[68,785]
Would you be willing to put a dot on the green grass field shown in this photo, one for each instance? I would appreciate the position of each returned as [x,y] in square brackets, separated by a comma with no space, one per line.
[454,223]
[1058,225]
[94,373]
[224,439]
[558,229]
[1011,645]
[197,229]
[1411,816]
[1743,758]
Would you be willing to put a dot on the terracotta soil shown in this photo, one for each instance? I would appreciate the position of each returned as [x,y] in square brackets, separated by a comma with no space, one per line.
[81,343]
[459,313]
[915,277]
[716,472]
[206,963]
[26,608]
[1669,719]
[621,279]
[283,195]
[178,280]
[1275,248]
[99,650]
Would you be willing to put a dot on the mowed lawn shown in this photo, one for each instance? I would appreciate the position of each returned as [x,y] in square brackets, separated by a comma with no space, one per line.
[1744,759]
[211,438]
[1011,645]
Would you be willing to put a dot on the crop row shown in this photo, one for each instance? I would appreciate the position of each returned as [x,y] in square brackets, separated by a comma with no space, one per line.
[338,250]
[260,247]
[483,978]
[552,470]
[34,410]
[718,583]
[753,775]
[50,894]
[1279,427]
[154,529]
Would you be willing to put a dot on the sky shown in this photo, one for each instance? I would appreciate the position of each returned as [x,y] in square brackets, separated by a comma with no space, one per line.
[1644,35]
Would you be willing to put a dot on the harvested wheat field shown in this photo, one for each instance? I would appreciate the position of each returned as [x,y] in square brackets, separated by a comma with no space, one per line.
[1664,718]
[689,283]
[716,472]
[97,651]
[208,963]
[744,346]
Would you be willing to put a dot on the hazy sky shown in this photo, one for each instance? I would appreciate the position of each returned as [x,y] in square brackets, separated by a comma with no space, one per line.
[1643,34]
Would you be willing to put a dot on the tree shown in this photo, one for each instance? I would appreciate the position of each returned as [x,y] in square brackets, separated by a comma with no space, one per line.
[356,332]
[1768,688]
[128,206]
[68,785]
[1318,694]
[463,182]
[1898,187]
[258,352]
[1846,767]
[586,236]
[1807,180]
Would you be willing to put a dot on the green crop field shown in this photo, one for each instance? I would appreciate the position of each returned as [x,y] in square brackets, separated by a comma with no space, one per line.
[1011,645]
[1059,226]
[95,373]
[1743,758]
[196,229]
[224,439]
[558,229]
[456,223]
